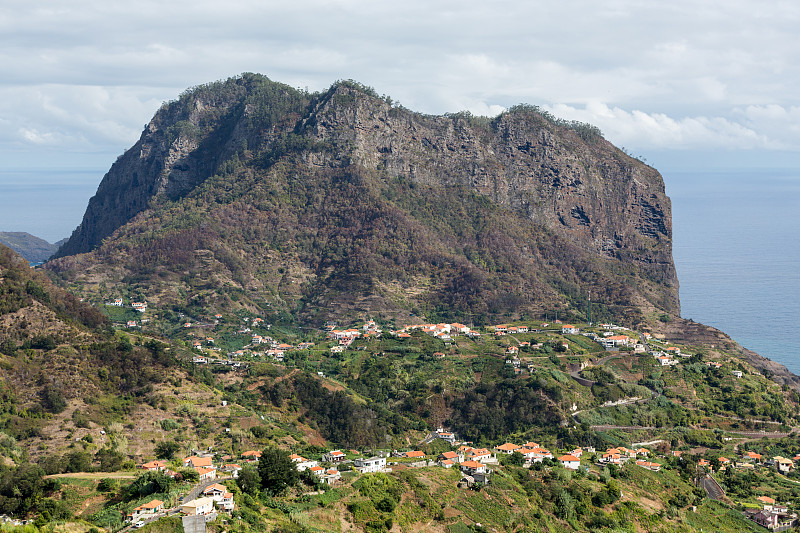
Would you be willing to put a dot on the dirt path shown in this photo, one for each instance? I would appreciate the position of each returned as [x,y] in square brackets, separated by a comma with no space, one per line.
[92,475]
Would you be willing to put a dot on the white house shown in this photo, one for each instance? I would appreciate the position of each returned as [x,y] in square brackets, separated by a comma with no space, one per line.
[200,506]
[146,510]
[570,461]
[333,456]
[373,464]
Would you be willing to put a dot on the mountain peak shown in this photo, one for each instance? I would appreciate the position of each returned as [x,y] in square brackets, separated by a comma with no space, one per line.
[367,206]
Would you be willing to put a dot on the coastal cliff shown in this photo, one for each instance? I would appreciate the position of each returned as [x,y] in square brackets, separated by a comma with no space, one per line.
[342,201]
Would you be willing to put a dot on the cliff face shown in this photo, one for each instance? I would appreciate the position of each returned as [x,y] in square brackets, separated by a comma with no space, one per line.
[585,189]
[526,204]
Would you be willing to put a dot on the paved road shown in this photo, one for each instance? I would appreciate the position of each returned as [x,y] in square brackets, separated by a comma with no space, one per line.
[712,488]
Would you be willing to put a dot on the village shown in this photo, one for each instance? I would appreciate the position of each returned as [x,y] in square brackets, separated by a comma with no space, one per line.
[337,467]
[236,343]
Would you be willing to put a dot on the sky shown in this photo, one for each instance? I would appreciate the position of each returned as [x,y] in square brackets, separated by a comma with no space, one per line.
[684,85]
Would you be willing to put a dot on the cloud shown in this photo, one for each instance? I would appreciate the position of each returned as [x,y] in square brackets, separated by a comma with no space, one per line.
[86,75]
[660,131]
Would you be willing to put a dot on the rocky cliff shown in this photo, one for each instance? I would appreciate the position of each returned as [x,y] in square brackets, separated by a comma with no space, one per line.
[370,206]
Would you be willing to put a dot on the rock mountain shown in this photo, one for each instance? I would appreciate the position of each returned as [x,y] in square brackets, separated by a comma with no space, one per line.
[250,193]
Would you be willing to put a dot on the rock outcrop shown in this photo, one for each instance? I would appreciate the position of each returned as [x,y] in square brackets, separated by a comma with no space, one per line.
[535,207]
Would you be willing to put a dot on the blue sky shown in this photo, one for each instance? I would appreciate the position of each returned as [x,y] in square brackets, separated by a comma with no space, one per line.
[686,85]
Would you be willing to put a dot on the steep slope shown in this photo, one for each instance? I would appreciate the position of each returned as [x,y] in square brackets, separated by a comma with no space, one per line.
[56,353]
[249,193]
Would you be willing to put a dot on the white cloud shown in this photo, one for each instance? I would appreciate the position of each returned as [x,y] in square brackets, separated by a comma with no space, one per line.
[88,74]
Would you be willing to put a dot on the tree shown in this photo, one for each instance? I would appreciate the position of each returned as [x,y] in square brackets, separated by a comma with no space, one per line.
[276,470]
[167,449]
[249,480]
[515,459]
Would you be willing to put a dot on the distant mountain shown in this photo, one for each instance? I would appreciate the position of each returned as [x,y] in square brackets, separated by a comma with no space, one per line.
[248,193]
[30,247]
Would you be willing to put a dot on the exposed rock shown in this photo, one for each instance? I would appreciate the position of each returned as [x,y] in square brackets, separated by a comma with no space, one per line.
[580,214]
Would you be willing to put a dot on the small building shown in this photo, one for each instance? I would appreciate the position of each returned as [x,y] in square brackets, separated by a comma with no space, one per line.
[570,462]
[508,448]
[200,506]
[654,467]
[333,456]
[473,467]
[195,462]
[159,466]
[206,473]
[251,455]
[373,464]
[783,465]
[146,510]
[415,454]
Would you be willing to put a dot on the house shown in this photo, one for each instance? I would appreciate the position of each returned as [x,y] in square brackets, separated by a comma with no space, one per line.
[305,464]
[139,306]
[737,373]
[766,500]
[220,495]
[146,510]
[226,502]
[618,340]
[446,435]
[200,506]
[539,454]
[446,463]
[373,464]
[416,454]
[666,360]
[784,465]
[508,448]
[233,469]
[206,473]
[155,465]
[570,461]
[473,467]
[612,458]
[215,491]
[195,462]
[251,455]
[569,329]
[450,456]
[331,476]
[478,454]
[655,467]
[333,456]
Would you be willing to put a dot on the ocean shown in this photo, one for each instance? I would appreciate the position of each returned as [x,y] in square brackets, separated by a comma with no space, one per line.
[46,203]
[736,245]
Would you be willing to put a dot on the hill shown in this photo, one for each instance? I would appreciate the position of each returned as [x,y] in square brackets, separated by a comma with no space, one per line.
[32,248]
[248,194]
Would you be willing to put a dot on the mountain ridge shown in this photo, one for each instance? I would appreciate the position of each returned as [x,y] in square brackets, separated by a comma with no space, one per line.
[32,248]
[522,211]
